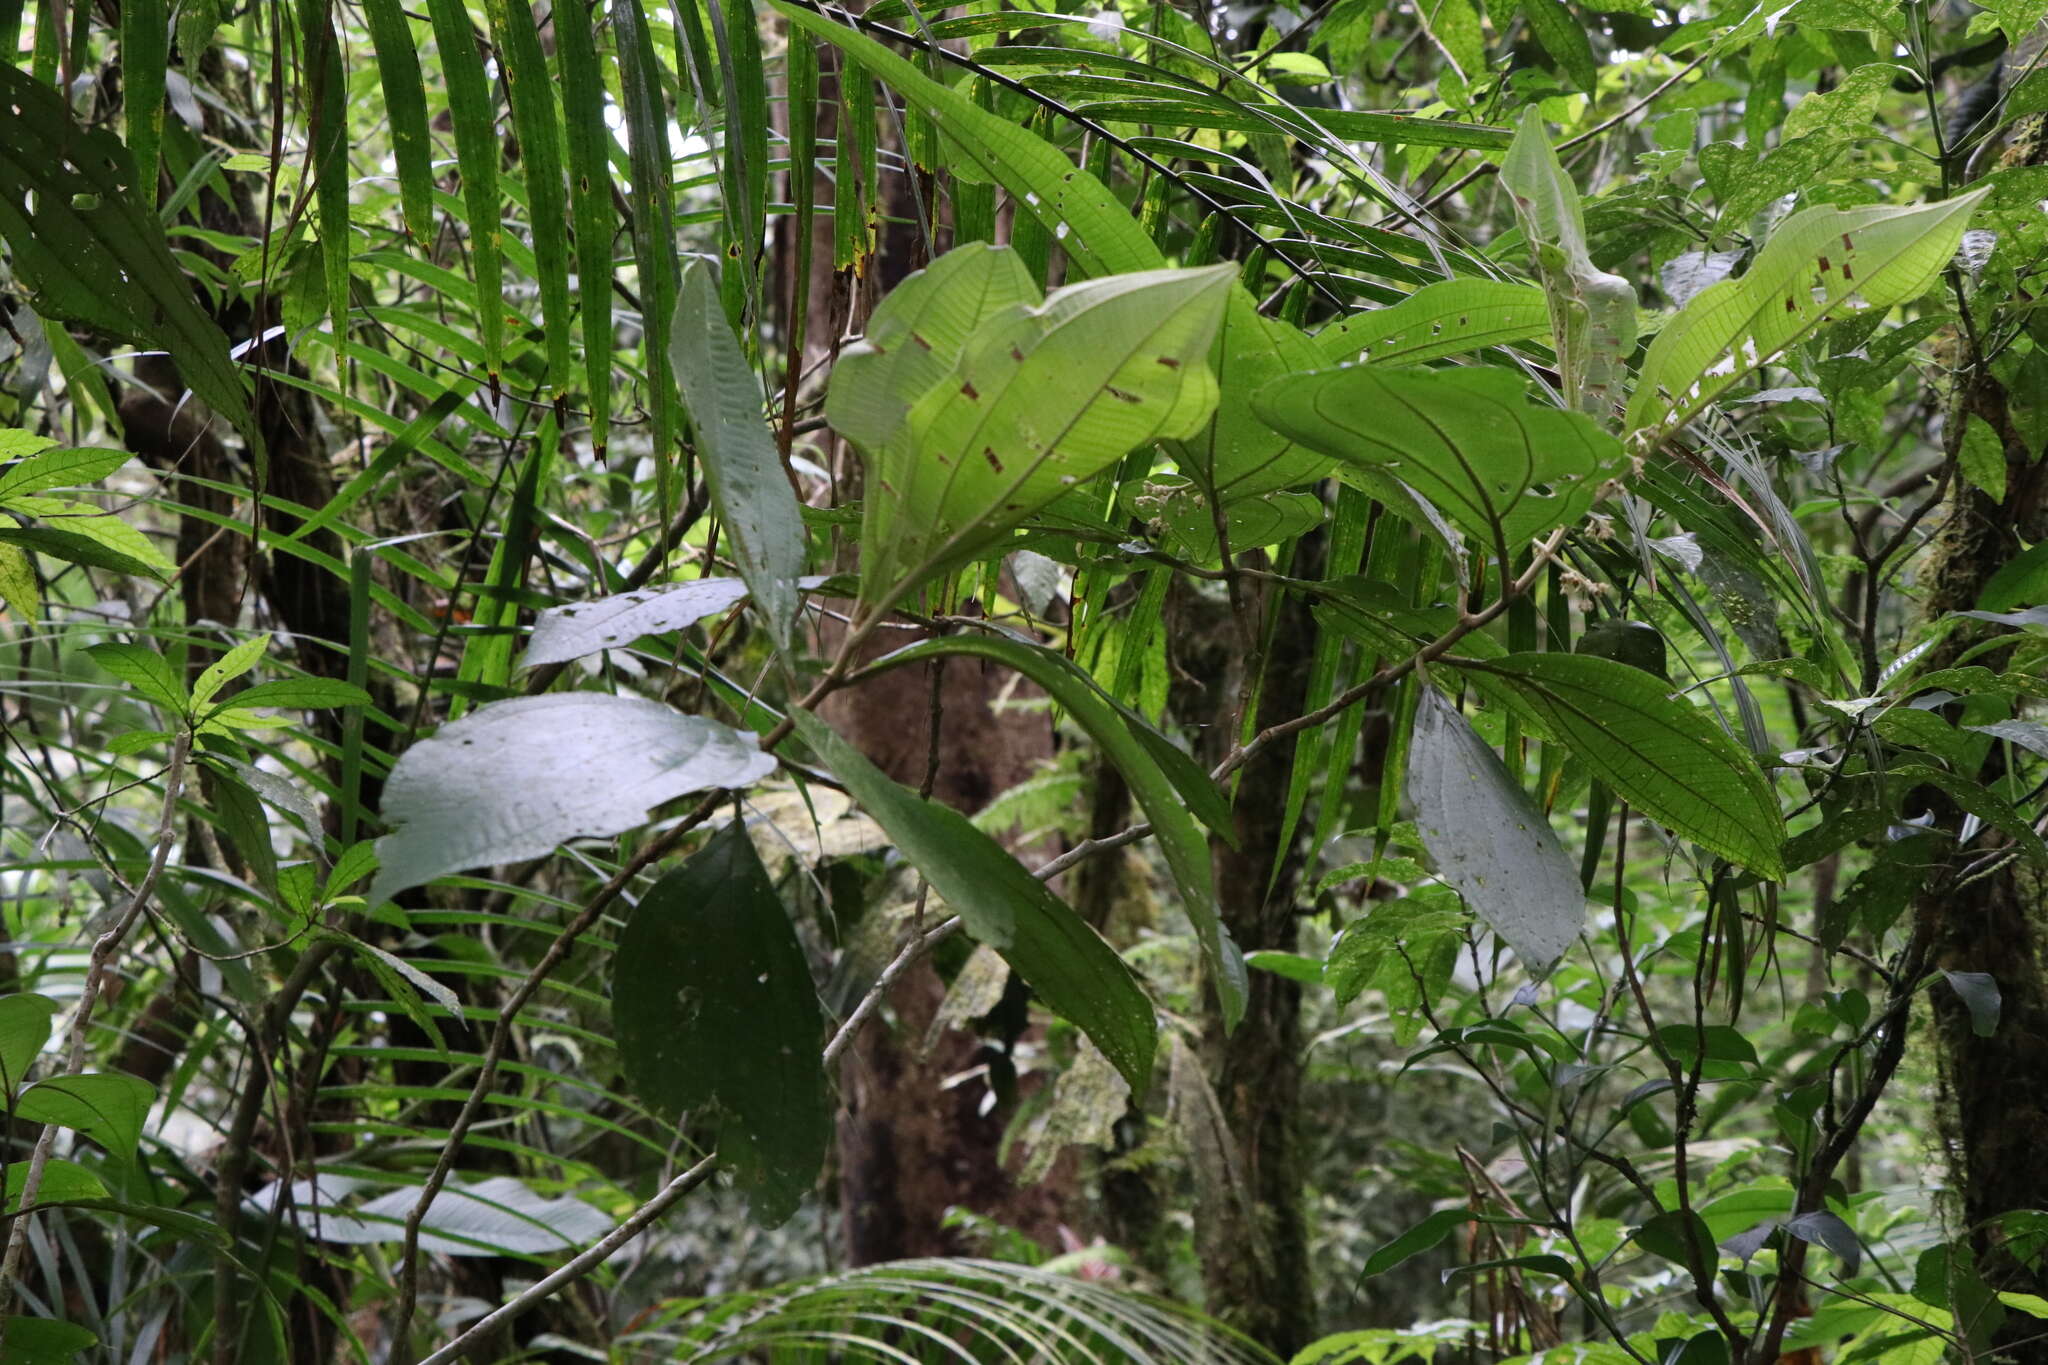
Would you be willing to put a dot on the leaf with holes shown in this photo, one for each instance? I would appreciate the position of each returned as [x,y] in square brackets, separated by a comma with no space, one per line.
[1446,318]
[1237,452]
[1041,398]
[1468,440]
[1823,265]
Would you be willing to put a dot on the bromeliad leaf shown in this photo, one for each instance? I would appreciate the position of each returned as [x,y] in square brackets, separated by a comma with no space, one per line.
[1488,838]
[1049,946]
[712,1004]
[515,778]
[1468,440]
[1592,313]
[1663,756]
[1040,398]
[1447,318]
[1822,265]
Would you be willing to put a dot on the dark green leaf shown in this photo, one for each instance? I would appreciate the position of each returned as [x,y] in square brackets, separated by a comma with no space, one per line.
[1052,948]
[712,1004]
[107,1106]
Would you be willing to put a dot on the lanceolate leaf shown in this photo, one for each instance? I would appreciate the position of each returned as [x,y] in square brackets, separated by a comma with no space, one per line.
[94,254]
[477,153]
[712,1004]
[515,778]
[1098,233]
[1180,838]
[1050,947]
[1822,265]
[1488,838]
[1040,399]
[1447,318]
[570,632]
[1663,756]
[748,483]
[1469,440]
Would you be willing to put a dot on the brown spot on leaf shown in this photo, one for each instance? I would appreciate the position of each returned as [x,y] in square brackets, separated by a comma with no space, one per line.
[1170,362]
[967,389]
[989,453]
[920,341]
[1122,395]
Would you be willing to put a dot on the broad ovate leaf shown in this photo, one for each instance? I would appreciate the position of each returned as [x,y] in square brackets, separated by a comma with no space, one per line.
[515,778]
[1064,961]
[498,1216]
[712,1004]
[1236,452]
[1663,756]
[1042,398]
[109,1107]
[1488,838]
[1449,317]
[1468,440]
[916,336]
[748,483]
[1824,264]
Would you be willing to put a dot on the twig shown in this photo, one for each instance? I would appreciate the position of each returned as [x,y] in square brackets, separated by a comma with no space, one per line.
[104,951]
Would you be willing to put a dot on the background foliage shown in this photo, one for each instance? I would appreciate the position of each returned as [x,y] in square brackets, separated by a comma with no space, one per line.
[1083,682]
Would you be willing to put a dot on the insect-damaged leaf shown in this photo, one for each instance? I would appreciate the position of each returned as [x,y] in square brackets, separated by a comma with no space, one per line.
[1489,840]
[1468,440]
[1821,266]
[1040,397]
[515,778]
[712,1003]
[1445,318]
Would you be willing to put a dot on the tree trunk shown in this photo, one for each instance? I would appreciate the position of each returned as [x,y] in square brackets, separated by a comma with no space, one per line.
[1254,1241]
[1996,922]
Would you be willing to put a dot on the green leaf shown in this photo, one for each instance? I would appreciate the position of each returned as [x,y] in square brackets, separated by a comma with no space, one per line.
[1449,317]
[230,666]
[748,483]
[145,670]
[1823,265]
[529,84]
[405,102]
[1101,236]
[97,533]
[1077,974]
[59,469]
[94,253]
[1237,453]
[1592,313]
[1980,995]
[61,1180]
[74,546]
[1183,513]
[1980,801]
[24,1029]
[18,590]
[712,1004]
[478,151]
[1468,440]
[1489,840]
[1180,838]
[516,778]
[1676,1235]
[45,1341]
[1040,399]
[1664,757]
[1424,1236]
[1564,38]
[107,1106]
[298,694]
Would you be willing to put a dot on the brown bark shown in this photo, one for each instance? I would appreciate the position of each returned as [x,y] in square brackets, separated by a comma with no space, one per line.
[1995,922]
[1254,1248]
